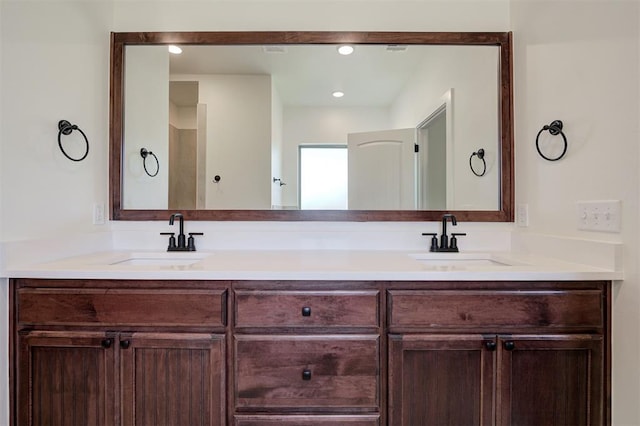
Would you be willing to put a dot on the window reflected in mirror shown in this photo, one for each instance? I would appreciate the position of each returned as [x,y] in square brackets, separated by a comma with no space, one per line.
[323,177]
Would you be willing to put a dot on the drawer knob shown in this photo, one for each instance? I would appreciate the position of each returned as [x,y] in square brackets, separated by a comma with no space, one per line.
[106,343]
[306,311]
[306,374]
[509,345]
[124,344]
[490,345]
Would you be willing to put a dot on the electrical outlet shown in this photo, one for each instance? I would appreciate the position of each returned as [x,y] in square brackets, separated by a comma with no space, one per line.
[601,216]
[98,214]
[522,215]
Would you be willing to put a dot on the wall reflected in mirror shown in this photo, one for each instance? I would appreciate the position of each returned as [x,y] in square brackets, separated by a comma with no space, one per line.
[227,120]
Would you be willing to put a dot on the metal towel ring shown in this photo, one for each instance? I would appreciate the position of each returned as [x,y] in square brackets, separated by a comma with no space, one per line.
[65,128]
[144,153]
[555,128]
[480,154]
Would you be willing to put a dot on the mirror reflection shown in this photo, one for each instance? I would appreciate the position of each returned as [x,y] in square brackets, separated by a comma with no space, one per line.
[257,127]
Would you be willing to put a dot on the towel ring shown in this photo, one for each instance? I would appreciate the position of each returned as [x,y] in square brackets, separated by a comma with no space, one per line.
[480,154]
[65,128]
[555,128]
[144,153]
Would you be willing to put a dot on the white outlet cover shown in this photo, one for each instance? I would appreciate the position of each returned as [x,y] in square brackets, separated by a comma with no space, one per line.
[98,214]
[522,215]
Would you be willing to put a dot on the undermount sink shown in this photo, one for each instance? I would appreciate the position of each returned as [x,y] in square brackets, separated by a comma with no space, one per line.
[459,259]
[167,259]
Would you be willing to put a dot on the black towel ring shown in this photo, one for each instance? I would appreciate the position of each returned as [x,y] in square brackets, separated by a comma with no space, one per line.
[480,154]
[555,128]
[65,128]
[144,153]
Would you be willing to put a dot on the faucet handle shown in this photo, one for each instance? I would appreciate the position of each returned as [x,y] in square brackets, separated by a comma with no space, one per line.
[434,240]
[453,243]
[191,244]
[172,240]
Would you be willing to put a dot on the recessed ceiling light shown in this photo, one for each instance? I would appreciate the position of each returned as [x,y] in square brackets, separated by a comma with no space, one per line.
[337,94]
[175,49]
[345,49]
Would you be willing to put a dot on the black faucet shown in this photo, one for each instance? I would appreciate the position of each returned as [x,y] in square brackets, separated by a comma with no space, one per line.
[181,236]
[182,243]
[446,245]
[444,238]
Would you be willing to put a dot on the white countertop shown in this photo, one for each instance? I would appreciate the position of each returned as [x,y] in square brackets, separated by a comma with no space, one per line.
[312,265]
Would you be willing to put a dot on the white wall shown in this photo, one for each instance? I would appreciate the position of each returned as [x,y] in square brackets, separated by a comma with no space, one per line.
[276,146]
[55,66]
[145,126]
[469,72]
[322,15]
[238,139]
[317,125]
[578,62]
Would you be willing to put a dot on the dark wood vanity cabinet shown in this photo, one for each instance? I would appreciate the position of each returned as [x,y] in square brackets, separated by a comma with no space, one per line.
[520,353]
[118,352]
[503,380]
[80,378]
[307,354]
[264,353]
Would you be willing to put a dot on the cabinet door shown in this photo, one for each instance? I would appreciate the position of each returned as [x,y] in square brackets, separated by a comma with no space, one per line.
[173,379]
[550,380]
[441,380]
[65,378]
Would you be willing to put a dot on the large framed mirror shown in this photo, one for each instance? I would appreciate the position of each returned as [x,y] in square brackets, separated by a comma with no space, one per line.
[249,126]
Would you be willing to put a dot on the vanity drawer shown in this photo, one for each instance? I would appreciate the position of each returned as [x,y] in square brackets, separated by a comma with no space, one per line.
[121,307]
[307,420]
[301,372]
[336,308]
[580,309]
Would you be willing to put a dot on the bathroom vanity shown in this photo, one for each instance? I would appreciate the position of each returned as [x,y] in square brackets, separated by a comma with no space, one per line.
[100,341]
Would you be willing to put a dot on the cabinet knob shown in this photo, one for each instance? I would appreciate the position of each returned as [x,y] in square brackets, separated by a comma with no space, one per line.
[306,374]
[509,345]
[124,344]
[106,343]
[490,345]
[306,311]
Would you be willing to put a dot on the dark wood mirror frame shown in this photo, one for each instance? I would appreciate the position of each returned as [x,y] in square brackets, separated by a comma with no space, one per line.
[501,39]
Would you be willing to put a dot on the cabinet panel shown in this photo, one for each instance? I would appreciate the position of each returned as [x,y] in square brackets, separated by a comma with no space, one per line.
[172,379]
[307,420]
[441,380]
[306,308]
[555,379]
[65,378]
[498,309]
[121,307]
[301,372]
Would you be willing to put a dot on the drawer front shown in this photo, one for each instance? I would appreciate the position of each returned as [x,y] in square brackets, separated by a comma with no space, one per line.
[306,308]
[307,420]
[301,372]
[121,307]
[495,308]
